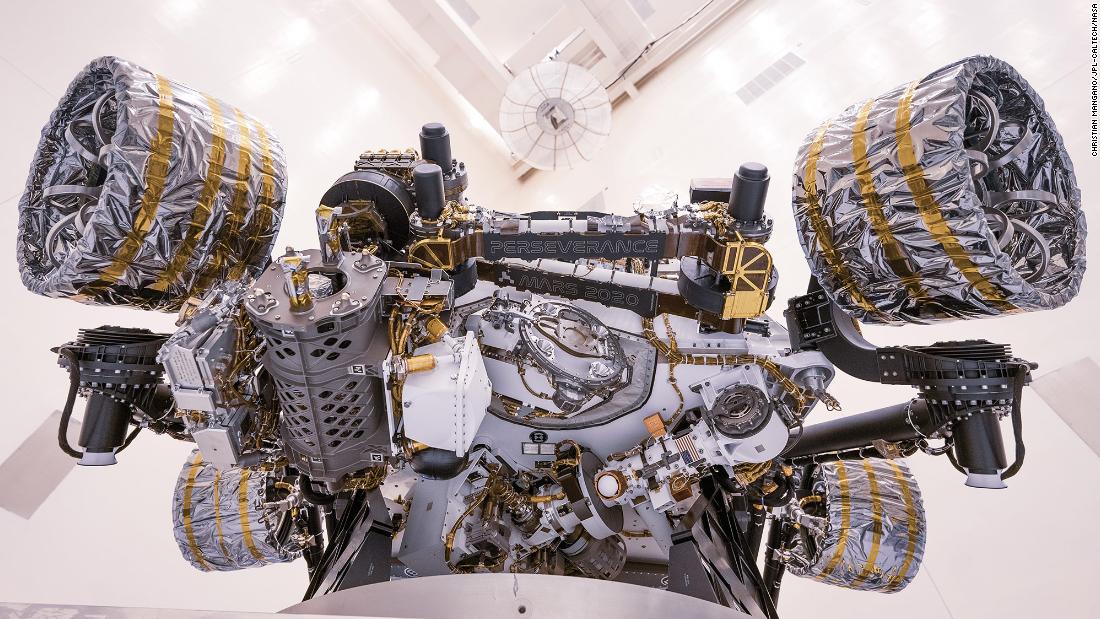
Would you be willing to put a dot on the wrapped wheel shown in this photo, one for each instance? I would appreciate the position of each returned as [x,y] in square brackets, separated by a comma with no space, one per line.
[951,197]
[864,526]
[223,519]
[144,192]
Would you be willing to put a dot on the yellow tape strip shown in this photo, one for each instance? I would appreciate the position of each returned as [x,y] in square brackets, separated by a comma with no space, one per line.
[845,522]
[218,514]
[911,528]
[821,228]
[156,172]
[930,210]
[872,201]
[246,528]
[265,203]
[205,204]
[188,529]
[238,206]
[869,568]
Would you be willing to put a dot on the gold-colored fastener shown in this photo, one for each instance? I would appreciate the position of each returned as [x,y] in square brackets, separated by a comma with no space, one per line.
[420,363]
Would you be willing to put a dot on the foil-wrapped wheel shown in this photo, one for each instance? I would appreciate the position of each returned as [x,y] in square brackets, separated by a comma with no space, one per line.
[866,526]
[145,192]
[223,519]
[950,197]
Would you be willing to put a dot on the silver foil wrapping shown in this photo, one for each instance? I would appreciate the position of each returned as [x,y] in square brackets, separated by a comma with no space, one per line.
[874,533]
[219,520]
[145,192]
[902,203]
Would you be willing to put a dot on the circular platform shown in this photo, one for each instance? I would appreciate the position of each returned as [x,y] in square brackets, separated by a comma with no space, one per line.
[519,596]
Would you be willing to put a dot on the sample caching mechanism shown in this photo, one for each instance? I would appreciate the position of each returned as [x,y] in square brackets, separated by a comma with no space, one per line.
[440,387]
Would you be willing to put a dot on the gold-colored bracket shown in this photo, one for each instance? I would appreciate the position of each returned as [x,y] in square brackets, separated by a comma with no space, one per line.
[435,253]
[747,266]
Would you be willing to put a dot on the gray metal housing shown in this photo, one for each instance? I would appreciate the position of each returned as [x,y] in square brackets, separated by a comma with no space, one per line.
[333,412]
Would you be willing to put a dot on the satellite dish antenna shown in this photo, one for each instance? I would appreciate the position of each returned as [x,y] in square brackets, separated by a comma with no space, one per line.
[555,115]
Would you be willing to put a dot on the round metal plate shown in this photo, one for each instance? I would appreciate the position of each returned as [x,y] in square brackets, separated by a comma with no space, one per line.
[519,596]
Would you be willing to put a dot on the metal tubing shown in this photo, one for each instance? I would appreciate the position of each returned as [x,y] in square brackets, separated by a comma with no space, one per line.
[892,423]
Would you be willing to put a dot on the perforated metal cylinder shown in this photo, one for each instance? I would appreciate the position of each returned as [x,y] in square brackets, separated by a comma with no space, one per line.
[333,414]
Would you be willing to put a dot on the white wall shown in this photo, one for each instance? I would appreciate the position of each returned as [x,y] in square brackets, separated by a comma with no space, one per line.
[330,84]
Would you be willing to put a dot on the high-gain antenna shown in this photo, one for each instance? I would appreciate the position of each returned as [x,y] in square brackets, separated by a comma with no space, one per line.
[555,115]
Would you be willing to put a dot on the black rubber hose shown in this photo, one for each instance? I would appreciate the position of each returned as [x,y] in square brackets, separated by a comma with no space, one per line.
[751,569]
[892,423]
[780,534]
[331,524]
[129,439]
[70,401]
[312,495]
[1017,422]
[312,553]
[955,462]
